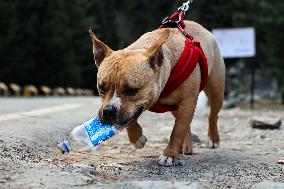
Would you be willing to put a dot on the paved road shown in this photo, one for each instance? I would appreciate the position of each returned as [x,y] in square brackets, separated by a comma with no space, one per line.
[30,128]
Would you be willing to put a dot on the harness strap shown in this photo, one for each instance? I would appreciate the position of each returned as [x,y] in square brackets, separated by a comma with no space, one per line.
[191,55]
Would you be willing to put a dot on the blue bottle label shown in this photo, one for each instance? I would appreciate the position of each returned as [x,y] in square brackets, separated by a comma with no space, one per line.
[97,131]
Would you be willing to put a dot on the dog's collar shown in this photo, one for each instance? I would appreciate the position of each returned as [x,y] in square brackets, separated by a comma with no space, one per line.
[191,55]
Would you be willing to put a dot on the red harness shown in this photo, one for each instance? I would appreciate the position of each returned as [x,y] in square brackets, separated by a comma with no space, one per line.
[191,55]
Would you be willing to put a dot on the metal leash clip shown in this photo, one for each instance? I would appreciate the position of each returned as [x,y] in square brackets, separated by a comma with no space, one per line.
[176,20]
[185,6]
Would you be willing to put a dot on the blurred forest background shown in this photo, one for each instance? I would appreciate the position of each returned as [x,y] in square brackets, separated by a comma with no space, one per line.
[45,42]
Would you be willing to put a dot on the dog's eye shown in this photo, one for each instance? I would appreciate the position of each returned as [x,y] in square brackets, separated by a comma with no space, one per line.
[102,89]
[129,91]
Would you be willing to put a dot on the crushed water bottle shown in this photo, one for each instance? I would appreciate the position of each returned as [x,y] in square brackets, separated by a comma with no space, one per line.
[89,134]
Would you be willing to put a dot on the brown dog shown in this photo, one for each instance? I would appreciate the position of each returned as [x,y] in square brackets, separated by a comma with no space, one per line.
[131,80]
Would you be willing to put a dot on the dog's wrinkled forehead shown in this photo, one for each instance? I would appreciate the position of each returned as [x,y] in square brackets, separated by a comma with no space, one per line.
[125,67]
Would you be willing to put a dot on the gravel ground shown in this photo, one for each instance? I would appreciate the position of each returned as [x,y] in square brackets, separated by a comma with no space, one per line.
[247,158]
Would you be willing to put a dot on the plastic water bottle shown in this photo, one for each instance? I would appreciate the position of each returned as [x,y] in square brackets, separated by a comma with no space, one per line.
[89,134]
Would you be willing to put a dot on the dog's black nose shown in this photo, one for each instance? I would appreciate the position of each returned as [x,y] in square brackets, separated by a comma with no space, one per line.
[110,113]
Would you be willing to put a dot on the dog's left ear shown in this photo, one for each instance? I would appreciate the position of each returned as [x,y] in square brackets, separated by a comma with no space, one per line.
[100,50]
[155,53]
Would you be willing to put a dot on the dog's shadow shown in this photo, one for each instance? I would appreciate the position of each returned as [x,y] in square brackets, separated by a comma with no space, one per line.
[207,167]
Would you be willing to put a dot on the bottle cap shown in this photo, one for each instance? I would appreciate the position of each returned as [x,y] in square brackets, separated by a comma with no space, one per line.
[64,146]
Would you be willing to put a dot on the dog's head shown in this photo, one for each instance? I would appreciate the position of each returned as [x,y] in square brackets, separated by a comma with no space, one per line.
[127,79]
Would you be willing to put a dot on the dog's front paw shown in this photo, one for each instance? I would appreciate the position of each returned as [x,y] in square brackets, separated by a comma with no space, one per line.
[167,161]
[212,144]
[140,142]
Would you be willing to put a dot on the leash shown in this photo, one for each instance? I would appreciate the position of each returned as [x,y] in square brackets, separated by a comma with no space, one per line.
[176,20]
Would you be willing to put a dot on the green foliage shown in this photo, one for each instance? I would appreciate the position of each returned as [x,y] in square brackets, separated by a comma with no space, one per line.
[47,42]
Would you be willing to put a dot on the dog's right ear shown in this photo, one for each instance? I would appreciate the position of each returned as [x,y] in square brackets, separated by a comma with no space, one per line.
[155,53]
[100,50]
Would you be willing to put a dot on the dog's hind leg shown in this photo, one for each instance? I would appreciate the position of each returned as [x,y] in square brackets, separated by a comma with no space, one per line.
[214,90]
[135,135]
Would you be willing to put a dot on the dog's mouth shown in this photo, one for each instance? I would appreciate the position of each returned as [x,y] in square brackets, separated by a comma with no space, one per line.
[137,113]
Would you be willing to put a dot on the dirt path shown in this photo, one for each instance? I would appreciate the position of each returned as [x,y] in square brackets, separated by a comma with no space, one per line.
[29,158]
